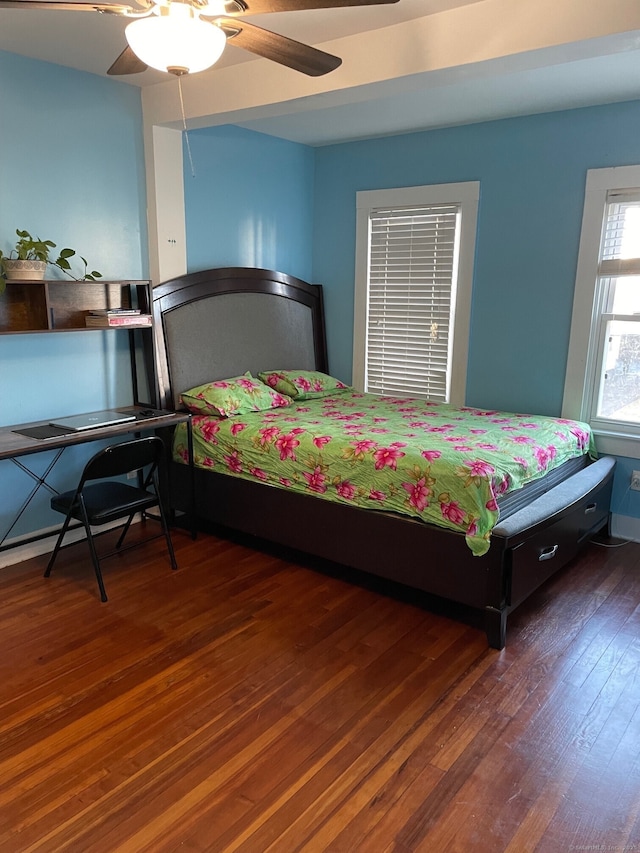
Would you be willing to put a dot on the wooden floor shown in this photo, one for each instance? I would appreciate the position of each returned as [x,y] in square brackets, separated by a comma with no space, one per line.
[251,703]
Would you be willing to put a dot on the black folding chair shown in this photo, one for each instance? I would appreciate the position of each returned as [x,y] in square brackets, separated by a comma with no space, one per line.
[96,503]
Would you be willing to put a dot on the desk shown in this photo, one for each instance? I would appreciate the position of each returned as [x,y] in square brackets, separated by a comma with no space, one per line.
[14,446]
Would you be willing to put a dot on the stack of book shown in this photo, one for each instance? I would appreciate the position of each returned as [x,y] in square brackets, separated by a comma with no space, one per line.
[106,318]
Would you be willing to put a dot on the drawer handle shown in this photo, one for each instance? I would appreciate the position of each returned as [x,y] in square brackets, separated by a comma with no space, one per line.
[590,508]
[548,553]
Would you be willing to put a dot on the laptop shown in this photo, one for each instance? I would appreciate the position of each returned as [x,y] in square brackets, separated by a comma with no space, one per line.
[92,420]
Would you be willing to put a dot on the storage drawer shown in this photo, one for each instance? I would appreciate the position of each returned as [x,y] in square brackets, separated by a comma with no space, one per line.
[540,556]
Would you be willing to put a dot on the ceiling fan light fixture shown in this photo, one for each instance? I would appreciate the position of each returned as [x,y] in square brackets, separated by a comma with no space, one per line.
[176,38]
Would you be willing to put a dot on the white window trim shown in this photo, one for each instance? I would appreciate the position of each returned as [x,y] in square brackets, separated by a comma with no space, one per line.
[466,195]
[580,366]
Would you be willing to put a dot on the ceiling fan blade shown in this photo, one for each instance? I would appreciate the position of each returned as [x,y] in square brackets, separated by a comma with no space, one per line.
[105,8]
[127,63]
[260,7]
[301,57]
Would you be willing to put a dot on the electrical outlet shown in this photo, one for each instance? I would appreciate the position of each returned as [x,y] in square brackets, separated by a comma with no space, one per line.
[635,480]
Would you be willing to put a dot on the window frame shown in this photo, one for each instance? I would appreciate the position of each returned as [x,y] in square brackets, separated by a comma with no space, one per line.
[584,356]
[466,194]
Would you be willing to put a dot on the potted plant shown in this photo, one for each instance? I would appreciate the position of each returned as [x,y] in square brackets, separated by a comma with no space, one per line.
[28,261]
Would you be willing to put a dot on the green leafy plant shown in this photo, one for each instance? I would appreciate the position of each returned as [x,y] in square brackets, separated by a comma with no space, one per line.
[28,248]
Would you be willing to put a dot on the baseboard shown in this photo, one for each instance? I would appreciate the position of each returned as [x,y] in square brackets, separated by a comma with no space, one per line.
[626,528]
[18,553]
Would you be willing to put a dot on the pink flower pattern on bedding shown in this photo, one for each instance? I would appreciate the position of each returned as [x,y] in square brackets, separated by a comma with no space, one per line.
[442,464]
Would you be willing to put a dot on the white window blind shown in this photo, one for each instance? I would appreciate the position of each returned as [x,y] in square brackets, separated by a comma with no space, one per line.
[620,250]
[413,260]
[412,298]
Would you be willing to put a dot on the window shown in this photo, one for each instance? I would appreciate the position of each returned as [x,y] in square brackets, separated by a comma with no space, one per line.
[414,267]
[603,374]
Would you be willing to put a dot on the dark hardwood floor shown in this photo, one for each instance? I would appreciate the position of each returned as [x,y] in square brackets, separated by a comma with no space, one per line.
[249,702]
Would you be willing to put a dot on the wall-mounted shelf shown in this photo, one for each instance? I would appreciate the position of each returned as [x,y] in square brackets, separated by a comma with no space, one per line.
[61,306]
[41,307]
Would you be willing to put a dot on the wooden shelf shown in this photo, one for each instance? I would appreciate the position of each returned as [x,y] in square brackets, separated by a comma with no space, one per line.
[51,306]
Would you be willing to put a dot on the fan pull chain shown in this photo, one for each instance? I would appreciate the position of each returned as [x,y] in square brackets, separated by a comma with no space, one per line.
[184,128]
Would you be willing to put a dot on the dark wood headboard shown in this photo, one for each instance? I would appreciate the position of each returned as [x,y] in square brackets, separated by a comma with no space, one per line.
[219,323]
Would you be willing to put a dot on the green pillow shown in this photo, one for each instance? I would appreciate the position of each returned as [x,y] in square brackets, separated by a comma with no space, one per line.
[302,384]
[239,395]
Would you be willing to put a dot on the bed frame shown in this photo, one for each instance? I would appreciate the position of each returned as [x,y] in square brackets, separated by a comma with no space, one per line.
[220,323]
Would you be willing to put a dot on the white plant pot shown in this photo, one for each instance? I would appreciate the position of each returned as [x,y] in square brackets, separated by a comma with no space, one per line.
[24,270]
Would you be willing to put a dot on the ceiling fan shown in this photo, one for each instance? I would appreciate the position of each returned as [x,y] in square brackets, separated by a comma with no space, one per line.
[186,36]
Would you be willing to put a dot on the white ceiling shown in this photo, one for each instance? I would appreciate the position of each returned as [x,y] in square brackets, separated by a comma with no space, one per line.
[91,42]
[599,63]
[441,101]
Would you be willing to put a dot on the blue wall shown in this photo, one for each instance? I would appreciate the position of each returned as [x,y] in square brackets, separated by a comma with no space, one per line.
[72,163]
[71,170]
[532,173]
[249,203]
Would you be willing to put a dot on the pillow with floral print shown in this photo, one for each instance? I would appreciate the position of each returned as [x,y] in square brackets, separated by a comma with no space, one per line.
[302,384]
[239,395]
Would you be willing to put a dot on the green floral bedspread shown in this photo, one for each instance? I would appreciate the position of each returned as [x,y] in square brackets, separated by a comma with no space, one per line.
[442,464]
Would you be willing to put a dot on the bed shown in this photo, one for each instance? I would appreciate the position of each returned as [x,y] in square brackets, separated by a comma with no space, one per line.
[222,323]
